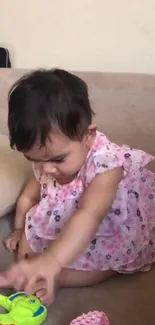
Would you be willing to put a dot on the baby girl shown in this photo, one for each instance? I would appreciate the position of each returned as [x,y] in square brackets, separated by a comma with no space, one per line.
[89,210]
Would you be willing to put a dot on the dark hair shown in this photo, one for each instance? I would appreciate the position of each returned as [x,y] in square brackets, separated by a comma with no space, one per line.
[46,99]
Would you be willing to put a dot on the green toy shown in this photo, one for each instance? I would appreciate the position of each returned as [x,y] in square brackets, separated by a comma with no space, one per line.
[22,309]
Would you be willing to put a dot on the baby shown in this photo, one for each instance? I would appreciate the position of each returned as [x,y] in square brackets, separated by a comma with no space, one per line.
[89,210]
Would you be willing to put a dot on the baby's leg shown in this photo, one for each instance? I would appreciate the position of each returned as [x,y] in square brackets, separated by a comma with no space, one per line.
[72,278]
[24,250]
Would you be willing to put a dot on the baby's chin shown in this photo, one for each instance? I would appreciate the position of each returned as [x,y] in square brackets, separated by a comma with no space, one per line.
[65,179]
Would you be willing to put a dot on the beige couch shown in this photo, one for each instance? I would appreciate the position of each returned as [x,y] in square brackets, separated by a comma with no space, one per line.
[125,107]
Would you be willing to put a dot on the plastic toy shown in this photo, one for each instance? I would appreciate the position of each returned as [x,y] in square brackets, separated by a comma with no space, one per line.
[92,318]
[22,309]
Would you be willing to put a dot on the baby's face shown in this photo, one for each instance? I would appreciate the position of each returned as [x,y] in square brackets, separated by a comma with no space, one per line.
[62,157]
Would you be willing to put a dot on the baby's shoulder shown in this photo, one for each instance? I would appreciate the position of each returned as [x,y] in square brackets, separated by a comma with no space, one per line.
[105,155]
[103,150]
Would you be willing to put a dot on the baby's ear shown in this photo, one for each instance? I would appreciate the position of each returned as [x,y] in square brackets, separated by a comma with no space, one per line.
[92,130]
[90,134]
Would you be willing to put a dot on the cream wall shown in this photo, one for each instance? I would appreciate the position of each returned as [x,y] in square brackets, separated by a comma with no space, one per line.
[104,35]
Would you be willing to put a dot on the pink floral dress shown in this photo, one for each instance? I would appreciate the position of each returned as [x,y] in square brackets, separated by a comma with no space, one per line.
[125,240]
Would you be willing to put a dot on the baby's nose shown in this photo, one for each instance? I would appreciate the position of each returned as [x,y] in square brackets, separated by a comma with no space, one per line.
[48,168]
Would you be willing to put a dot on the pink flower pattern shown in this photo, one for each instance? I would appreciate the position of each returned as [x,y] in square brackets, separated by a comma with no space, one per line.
[125,240]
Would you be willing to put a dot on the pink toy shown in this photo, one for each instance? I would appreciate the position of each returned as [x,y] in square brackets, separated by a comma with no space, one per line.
[92,318]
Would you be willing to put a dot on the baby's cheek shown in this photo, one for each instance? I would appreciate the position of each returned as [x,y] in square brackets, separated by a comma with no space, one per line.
[68,170]
[67,167]
[72,169]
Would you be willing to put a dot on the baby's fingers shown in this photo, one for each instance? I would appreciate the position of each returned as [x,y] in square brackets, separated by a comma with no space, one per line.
[4,280]
[19,284]
[16,277]
[33,285]
[46,295]
[7,243]
[13,244]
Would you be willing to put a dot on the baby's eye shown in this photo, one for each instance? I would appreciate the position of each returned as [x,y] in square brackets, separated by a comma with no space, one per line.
[59,161]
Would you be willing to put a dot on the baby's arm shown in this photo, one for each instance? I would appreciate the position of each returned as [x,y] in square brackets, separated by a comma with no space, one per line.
[94,204]
[29,197]
[76,236]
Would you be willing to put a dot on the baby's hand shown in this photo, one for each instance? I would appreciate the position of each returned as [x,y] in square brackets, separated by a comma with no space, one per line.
[12,241]
[34,276]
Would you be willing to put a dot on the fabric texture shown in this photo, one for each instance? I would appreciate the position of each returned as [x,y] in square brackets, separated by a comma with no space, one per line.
[125,239]
[14,172]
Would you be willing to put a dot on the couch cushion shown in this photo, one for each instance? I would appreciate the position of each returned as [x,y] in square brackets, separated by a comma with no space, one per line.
[7,79]
[14,171]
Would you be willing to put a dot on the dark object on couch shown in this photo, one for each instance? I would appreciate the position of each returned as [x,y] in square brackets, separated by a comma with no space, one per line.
[4,58]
